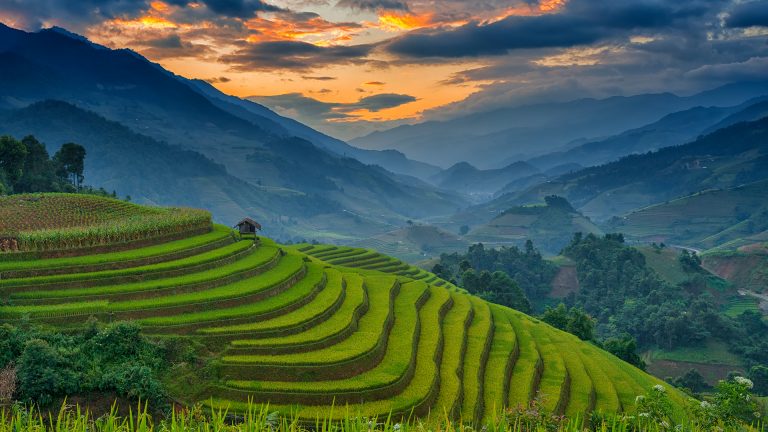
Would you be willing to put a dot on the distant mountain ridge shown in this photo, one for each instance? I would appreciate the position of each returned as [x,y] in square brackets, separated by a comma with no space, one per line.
[673,129]
[497,138]
[726,158]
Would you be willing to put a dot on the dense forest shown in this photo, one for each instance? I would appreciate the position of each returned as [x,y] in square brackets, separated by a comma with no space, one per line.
[510,276]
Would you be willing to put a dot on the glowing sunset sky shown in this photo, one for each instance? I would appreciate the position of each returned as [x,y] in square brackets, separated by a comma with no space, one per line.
[352,66]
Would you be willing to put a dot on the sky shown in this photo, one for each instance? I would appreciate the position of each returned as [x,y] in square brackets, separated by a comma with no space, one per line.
[350,67]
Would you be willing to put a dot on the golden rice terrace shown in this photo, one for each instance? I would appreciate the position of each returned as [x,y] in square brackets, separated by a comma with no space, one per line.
[307,325]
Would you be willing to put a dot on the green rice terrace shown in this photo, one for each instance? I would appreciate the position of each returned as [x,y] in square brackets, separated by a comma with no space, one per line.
[313,326]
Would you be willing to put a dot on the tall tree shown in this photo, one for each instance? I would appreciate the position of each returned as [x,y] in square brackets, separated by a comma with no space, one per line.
[12,156]
[71,158]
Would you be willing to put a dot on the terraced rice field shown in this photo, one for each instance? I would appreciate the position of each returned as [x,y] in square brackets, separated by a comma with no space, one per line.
[367,260]
[322,326]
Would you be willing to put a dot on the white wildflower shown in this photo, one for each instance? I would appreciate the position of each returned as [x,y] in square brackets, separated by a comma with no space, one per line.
[744,381]
[664,424]
[659,388]
[639,399]
[705,404]
[396,427]
[757,414]
[644,414]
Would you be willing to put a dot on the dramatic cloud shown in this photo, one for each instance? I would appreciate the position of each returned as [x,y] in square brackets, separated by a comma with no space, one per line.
[373,5]
[293,55]
[749,14]
[439,58]
[582,22]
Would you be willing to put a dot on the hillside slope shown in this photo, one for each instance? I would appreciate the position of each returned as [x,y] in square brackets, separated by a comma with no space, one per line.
[322,325]
[709,219]
[550,226]
[726,158]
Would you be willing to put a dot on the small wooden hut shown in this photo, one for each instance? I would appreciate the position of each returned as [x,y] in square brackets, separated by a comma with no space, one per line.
[248,226]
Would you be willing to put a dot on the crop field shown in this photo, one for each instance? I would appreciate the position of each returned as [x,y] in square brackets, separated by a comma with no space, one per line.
[50,222]
[368,261]
[309,327]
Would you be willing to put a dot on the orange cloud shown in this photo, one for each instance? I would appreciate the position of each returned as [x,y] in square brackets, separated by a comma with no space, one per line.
[315,30]
[395,22]
[153,22]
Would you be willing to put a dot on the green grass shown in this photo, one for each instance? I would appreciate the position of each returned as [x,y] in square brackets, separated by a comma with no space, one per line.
[324,301]
[260,257]
[738,305]
[362,341]
[340,321]
[189,262]
[713,352]
[287,267]
[298,291]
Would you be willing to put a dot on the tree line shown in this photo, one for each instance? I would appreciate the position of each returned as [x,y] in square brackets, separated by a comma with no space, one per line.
[26,166]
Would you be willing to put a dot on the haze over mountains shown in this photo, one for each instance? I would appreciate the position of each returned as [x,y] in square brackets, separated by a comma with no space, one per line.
[503,136]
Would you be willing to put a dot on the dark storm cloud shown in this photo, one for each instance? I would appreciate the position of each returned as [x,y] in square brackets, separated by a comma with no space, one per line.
[294,55]
[582,22]
[749,14]
[373,5]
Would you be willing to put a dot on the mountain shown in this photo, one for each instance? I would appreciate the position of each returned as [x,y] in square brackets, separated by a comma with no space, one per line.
[550,226]
[674,129]
[726,158]
[252,145]
[464,177]
[496,138]
[248,110]
[709,219]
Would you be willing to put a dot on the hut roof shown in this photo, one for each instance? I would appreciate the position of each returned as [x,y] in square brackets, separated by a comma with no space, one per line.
[249,221]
